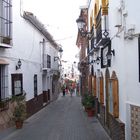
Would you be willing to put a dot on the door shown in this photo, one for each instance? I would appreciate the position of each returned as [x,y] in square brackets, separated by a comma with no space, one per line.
[17,86]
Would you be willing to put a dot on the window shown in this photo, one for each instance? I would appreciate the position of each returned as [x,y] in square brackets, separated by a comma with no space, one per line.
[17,86]
[3,81]
[5,21]
[35,85]
[48,61]
[113,95]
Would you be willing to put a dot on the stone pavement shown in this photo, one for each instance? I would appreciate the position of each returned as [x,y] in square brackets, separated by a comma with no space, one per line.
[63,119]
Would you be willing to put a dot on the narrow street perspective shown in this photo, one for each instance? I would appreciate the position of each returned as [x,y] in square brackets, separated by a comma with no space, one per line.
[69,70]
[64,119]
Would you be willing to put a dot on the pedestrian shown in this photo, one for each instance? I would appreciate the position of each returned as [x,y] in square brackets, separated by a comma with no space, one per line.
[71,91]
[77,89]
[63,91]
[66,90]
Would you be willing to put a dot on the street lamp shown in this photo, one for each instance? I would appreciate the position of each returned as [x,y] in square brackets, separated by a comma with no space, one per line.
[18,66]
[98,60]
[109,54]
[81,26]
[60,51]
[80,23]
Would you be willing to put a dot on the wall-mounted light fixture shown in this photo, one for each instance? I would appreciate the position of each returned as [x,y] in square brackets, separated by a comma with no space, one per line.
[60,50]
[110,53]
[18,66]
[98,60]
[92,62]
[56,58]
[81,25]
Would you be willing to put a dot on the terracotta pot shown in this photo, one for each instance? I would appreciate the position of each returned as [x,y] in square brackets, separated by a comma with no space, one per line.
[19,124]
[90,112]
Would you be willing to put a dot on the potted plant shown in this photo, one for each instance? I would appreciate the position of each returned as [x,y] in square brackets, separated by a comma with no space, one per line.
[19,113]
[88,103]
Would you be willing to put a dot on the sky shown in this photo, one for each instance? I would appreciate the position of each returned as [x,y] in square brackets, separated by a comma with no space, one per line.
[59,17]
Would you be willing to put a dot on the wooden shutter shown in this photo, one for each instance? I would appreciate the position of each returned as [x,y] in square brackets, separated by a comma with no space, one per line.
[114,95]
[101,90]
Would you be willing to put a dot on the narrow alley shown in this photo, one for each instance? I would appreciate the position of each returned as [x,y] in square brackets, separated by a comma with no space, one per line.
[63,119]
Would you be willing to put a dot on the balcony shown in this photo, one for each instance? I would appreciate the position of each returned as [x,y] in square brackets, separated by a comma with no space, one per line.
[102,31]
[5,42]
[5,23]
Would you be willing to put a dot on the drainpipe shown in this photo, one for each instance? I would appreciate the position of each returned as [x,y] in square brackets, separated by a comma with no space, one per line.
[21,8]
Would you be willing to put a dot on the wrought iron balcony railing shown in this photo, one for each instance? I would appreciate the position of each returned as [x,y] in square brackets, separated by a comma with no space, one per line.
[102,32]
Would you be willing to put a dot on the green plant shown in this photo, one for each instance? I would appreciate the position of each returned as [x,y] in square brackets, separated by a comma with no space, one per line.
[19,113]
[88,101]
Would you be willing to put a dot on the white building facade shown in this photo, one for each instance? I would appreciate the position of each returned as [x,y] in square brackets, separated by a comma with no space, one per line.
[116,80]
[27,57]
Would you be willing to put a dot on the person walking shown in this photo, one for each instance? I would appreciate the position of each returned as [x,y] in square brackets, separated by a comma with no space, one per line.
[63,90]
[71,90]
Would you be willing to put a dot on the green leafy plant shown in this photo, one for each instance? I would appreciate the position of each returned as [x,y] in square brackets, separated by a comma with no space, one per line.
[19,113]
[88,101]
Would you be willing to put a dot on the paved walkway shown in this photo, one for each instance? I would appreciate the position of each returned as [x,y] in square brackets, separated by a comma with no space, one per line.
[64,119]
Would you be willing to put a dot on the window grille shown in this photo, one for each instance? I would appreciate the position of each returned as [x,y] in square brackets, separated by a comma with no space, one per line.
[48,61]
[35,85]
[4,81]
[5,21]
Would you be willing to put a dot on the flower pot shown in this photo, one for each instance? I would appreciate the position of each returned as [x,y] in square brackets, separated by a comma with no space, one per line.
[19,124]
[90,112]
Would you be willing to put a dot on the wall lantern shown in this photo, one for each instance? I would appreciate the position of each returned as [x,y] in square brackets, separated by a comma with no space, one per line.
[98,60]
[109,54]
[81,25]
[60,50]
[92,62]
[18,66]
[56,57]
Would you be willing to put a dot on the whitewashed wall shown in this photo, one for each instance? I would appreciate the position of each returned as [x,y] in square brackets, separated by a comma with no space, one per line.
[27,47]
[125,62]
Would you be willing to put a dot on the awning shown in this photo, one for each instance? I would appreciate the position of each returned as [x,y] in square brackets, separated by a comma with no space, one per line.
[3,62]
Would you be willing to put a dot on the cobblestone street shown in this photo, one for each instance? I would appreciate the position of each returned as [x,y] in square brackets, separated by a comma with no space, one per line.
[63,119]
